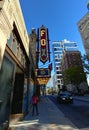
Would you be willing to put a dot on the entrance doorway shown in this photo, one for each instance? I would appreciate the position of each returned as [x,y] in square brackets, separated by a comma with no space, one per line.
[17,100]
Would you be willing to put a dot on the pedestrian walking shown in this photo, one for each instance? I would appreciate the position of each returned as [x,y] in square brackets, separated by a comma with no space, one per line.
[35,104]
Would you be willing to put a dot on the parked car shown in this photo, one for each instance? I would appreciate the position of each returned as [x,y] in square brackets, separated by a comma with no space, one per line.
[65,97]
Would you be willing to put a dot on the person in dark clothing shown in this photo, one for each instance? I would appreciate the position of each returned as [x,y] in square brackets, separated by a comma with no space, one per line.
[35,104]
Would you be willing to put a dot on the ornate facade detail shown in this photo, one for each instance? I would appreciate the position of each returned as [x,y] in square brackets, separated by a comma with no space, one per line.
[10,9]
[8,17]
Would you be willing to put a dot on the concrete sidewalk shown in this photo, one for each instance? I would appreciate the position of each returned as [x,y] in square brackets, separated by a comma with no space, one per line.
[50,118]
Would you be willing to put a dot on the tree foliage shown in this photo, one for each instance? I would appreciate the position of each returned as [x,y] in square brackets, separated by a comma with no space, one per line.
[74,75]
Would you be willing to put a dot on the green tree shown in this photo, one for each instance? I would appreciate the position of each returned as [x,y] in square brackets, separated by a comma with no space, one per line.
[74,75]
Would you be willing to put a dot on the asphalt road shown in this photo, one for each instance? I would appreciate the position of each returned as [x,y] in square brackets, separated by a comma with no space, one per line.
[77,112]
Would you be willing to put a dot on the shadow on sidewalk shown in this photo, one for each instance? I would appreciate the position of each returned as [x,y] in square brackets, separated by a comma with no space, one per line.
[50,117]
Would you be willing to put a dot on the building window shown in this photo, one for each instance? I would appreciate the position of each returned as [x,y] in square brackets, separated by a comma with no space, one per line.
[14,45]
[58,72]
[18,46]
[58,77]
[56,68]
[58,81]
[10,40]
[22,58]
[58,85]
[19,53]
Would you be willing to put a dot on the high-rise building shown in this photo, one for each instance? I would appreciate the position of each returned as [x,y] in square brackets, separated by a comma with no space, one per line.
[74,77]
[59,47]
[83,26]
[72,59]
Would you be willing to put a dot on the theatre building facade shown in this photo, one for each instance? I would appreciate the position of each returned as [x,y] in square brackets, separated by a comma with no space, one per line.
[14,62]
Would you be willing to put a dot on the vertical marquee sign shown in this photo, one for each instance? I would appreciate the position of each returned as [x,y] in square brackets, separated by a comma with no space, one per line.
[43,44]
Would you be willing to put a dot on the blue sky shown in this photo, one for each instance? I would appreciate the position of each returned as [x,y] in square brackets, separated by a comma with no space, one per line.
[59,16]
